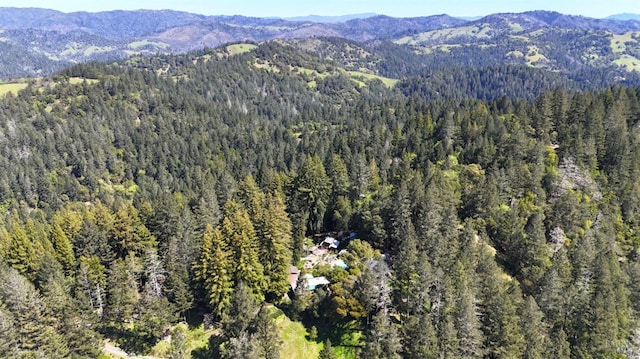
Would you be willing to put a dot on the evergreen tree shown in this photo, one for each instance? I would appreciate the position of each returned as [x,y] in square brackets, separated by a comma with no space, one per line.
[122,293]
[207,210]
[327,351]
[8,335]
[241,311]
[36,334]
[130,235]
[214,271]
[111,191]
[502,333]
[301,298]
[467,319]
[340,206]
[535,255]
[312,190]
[180,261]
[154,315]
[239,234]
[93,241]
[251,198]
[420,339]
[248,332]
[604,326]
[382,339]
[408,278]
[559,345]
[20,252]
[76,319]
[534,330]
[63,249]
[265,334]
[274,233]
[163,219]
[92,283]
[179,348]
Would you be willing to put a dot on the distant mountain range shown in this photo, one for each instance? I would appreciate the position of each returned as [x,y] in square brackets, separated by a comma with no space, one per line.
[37,42]
[625,16]
[342,18]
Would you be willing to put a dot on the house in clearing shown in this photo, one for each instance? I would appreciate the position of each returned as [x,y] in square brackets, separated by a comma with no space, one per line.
[324,253]
[315,282]
[311,282]
[330,244]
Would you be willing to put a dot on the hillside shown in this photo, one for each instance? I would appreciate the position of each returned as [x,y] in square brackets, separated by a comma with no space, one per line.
[625,16]
[538,39]
[79,37]
[252,199]
[342,18]
[48,40]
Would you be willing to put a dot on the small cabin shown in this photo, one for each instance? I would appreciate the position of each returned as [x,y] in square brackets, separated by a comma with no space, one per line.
[330,243]
[315,282]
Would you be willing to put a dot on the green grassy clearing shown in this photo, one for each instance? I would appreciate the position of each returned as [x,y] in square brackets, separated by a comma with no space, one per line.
[71,48]
[533,55]
[629,62]
[13,88]
[197,338]
[478,31]
[266,66]
[236,49]
[515,27]
[96,50]
[294,338]
[619,41]
[145,42]
[79,80]
[385,80]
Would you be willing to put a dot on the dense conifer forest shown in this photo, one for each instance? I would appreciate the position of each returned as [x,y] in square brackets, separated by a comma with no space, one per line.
[488,218]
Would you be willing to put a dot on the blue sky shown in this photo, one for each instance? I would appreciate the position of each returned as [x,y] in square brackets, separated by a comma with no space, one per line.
[287,8]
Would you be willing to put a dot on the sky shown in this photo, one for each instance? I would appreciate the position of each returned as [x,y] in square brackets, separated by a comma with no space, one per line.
[290,8]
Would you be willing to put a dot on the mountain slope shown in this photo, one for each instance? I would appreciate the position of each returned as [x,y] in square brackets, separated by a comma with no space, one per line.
[51,39]
[318,18]
[539,39]
[114,24]
[78,37]
[517,217]
[625,16]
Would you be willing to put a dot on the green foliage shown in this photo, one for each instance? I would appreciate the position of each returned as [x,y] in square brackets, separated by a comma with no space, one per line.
[122,293]
[239,235]
[20,252]
[313,188]
[383,340]
[35,327]
[130,235]
[510,227]
[215,271]
[8,338]
[275,236]
[63,249]
[178,349]
[327,351]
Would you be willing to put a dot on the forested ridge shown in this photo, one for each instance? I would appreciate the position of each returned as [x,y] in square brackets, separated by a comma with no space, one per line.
[147,198]
[40,42]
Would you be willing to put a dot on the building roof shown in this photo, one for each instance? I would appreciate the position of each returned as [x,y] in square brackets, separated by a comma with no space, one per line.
[330,242]
[314,282]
